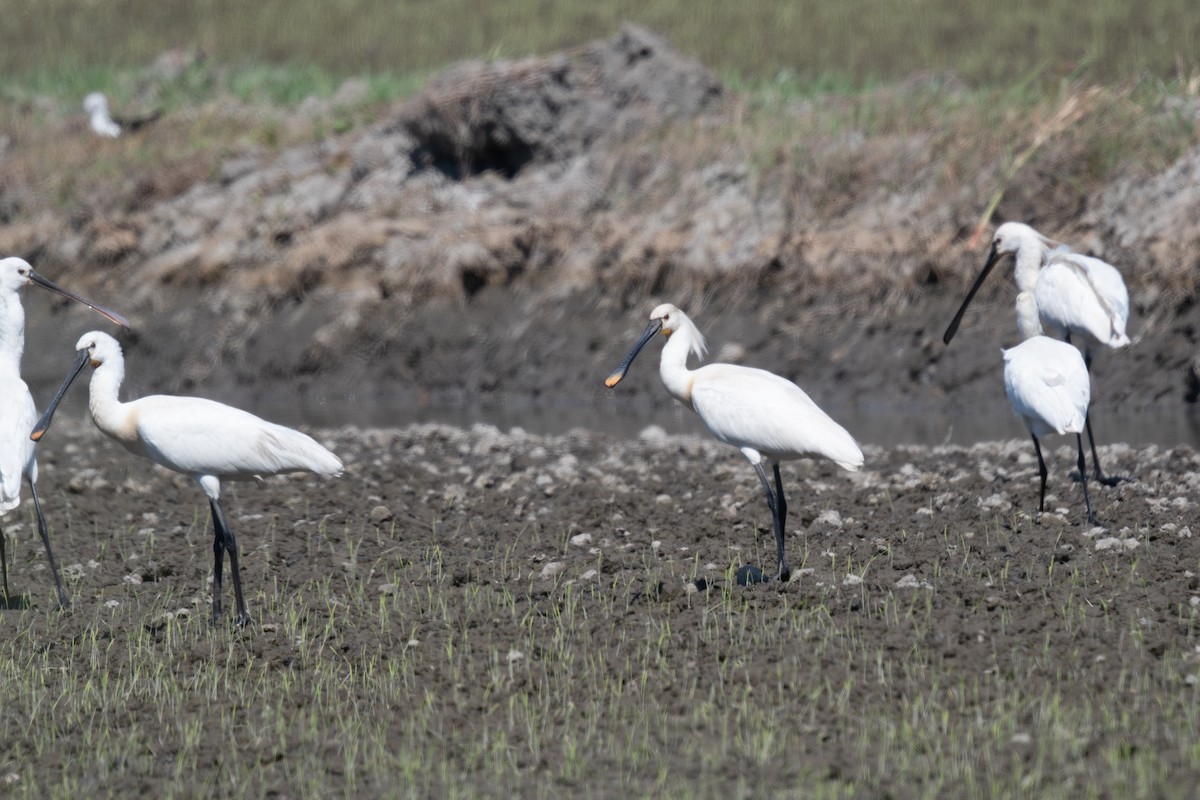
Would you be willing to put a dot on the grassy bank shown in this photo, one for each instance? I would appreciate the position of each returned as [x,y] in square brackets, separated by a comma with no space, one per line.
[854,41]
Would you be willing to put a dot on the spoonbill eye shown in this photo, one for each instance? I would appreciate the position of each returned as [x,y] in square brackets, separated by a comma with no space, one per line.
[666,316]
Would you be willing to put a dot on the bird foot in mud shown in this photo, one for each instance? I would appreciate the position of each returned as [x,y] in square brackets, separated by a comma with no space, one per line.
[748,574]
[1110,480]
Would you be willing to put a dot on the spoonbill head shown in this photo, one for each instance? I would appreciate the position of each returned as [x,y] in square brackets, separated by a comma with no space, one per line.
[768,418]
[667,320]
[17,411]
[16,273]
[201,438]
[1028,248]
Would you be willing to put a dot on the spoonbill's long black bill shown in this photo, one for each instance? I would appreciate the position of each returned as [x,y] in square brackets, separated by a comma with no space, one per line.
[46,283]
[993,257]
[617,374]
[43,424]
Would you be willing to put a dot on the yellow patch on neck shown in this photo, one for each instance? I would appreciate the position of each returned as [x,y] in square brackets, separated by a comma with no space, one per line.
[667,331]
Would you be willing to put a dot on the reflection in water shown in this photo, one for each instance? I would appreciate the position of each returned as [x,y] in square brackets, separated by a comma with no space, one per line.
[619,417]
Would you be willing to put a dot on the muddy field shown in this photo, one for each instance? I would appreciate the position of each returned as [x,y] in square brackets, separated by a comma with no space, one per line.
[476,612]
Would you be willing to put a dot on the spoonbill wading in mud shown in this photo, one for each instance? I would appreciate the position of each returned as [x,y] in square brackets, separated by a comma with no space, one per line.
[193,436]
[17,412]
[1075,295]
[765,416]
[1049,388]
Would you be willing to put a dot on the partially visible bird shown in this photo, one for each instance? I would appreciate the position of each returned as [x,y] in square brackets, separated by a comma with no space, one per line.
[1074,294]
[200,438]
[1048,386]
[95,105]
[767,417]
[17,411]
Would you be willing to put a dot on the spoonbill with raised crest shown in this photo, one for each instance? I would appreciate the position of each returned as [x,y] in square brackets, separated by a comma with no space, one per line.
[17,411]
[767,417]
[1074,294]
[200,438]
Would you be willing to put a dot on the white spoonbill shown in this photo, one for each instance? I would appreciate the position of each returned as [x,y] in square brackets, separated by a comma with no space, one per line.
[1048,385]
[95,105]
[193,436]
[763,415]
[17,412]
[1075,294]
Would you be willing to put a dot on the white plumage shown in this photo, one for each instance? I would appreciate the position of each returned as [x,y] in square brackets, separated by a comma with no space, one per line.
[204,439]
[763,415]
[95,105]
[1082,295]
[1047,384]
[758,410]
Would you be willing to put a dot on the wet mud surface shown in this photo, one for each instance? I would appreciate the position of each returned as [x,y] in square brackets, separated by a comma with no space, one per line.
[559,593]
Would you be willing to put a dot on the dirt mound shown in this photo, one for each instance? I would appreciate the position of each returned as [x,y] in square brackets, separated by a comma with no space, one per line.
[500,117]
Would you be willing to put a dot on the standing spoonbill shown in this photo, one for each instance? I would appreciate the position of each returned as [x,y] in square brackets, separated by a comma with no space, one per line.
[763,415]
[17,412]
[1047,383]
[200,438]
[1075,294]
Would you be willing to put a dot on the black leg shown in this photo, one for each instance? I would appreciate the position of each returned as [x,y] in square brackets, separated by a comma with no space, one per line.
[1087,421]
[773,503]
[1087,501]
[41,520]
[1041,471]
[222,526]
[218,563]
[4,565]
[784,573]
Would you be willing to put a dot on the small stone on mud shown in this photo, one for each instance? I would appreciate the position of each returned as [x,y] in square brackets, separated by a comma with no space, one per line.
[553,569]
[828,519]
[587,576]
[663,499]
[380,514]
[1116,543]
[388,588]
[580,539]
[852,580]
[515,656]
[112,604]
[1021,738]
[911,581]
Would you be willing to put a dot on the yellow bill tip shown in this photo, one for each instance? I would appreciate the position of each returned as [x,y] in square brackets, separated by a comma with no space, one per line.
[37,435]
[613,380]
